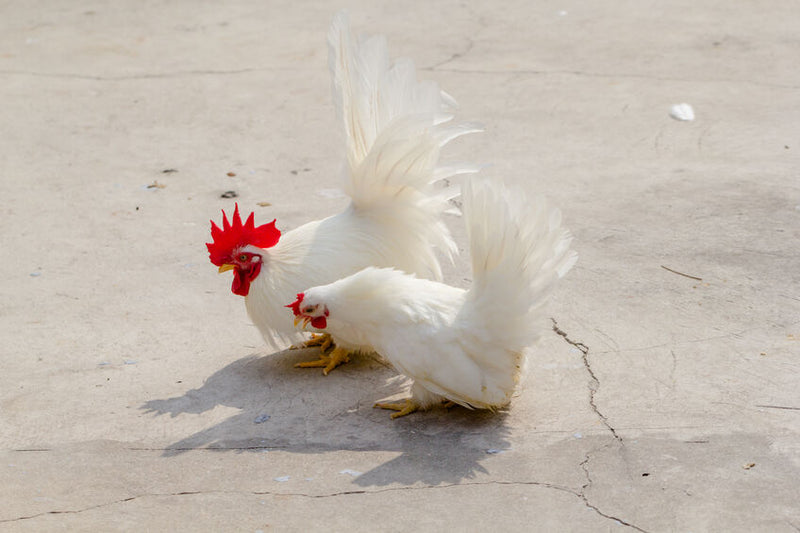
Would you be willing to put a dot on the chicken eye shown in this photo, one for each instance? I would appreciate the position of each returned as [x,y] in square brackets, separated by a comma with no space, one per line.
[243,257]
[309,309]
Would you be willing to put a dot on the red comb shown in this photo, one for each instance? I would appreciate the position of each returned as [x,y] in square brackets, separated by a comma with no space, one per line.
[234,235]
[295,306]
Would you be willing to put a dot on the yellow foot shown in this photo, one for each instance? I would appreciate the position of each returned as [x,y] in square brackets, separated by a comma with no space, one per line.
[337,357]
[324,341]
[405,408]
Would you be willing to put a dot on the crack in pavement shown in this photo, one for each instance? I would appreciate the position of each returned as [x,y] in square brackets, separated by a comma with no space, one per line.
[589,74]
[788,408]
[438,67]
[71,511]
[147,75]
[298,494]
[594,383]
[456,55]
[582,495]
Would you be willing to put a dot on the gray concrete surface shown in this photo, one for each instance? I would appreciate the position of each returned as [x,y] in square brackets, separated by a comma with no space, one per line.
[131,378]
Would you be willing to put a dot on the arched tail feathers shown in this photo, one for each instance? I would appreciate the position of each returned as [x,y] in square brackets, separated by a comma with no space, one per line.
[395,127]
[519,252]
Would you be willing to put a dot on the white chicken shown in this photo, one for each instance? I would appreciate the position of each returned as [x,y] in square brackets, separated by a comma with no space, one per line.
[394,127]
[464,346]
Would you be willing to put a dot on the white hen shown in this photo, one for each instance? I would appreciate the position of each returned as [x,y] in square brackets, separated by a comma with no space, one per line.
[466,346]
[395,127]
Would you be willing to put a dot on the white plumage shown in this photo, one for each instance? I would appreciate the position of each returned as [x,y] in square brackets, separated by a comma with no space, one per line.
[394,129]
[466,346]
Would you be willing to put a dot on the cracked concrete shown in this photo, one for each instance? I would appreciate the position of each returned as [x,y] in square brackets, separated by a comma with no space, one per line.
[594,383]
[612,75]
[582,495]
[663,397]
[143,76]
[300,495]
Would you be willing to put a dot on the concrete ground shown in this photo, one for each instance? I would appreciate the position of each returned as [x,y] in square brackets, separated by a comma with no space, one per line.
[135,395]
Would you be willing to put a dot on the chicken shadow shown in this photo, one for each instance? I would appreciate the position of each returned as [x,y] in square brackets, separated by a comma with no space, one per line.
[301,411]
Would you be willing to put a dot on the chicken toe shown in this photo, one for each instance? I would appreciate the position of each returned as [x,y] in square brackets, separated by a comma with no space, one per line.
[324,341]
[406,407]
[337,357]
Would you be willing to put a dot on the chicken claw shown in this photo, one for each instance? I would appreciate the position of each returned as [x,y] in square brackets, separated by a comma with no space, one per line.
[407,407]
[337,357]
[324,341]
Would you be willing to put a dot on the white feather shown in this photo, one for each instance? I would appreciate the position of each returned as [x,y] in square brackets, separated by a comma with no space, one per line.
[466,346]
[395,127]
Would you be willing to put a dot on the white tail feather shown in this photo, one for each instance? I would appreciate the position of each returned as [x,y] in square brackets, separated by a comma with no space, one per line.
[519,251]
[369,91]
[395,127]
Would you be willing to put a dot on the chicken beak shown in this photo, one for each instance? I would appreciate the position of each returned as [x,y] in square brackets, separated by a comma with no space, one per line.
[226,267]
[305,319]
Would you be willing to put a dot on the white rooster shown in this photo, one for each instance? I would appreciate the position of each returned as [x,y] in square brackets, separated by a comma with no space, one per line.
[395,127]
[465,346]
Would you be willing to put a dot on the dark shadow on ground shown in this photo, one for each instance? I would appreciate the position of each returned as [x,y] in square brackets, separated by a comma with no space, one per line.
[302,411]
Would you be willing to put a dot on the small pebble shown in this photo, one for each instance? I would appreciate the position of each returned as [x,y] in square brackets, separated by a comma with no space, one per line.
[229,194]
[130,362]
[354,473]
[282,479]
[35,274]
[495,451]
[261,419]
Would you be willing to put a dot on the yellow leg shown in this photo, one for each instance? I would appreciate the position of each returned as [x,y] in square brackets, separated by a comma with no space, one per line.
[337,357]
[324,341]
[406,407]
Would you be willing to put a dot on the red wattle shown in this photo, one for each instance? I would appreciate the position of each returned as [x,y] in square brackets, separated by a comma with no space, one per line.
[242,279]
